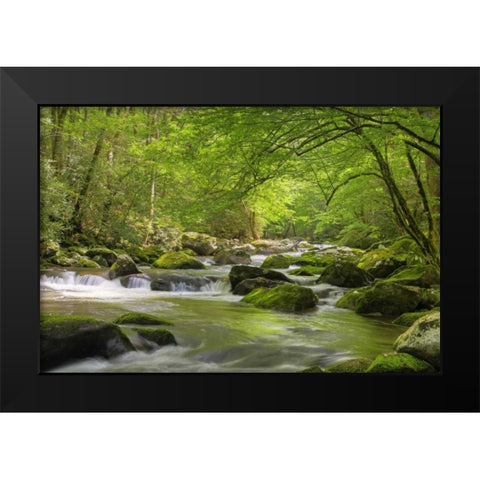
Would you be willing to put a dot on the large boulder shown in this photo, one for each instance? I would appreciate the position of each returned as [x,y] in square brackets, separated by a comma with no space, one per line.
[399,363]
[123,266]
[345,274]
[389,299]
[380,262]
[108,255]
[232,257]
[87,263]
[68,338]
[178,261]
[200,243]
[420,275]
[250,284]
[278,261]
[422,339]
[238,273]
[286,298]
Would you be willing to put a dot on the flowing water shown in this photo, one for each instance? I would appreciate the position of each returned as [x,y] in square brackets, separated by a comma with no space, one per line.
[214,330]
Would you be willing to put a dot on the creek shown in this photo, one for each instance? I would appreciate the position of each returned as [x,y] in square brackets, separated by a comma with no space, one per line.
[215,331]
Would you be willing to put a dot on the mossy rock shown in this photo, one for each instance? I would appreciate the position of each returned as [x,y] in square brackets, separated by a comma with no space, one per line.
[380,262]
[248,285]
[139,318]
[200,243]
[86,263]
[159,336]
[100,260]
[344,274]
[307,271]
[278,261]
[388,299]
[314,369]
[422,339]
[354,365]
[286,298]
[232,257]
[359,238]
[64,260]
[49,248]
[409,318]
[399,363]
[145,255]
[405,249]
[430,298]
[310,259]
[420,275]
[349,300]
[238,273]
[178,261]
[108,255]
[66,338]
[123,266]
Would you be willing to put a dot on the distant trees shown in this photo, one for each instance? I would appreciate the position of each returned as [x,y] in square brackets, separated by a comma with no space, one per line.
[126,173]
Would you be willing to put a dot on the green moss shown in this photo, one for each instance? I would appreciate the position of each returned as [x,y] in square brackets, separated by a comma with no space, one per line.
[399,363]
[419,275]
[388,299]
[139,318]
[309,258]
[345,274]
[178,260]
[307,271]
[278,261]
[157,335]
[85,263]
[314,369]
[286,298]
[355,365]
[408,319]
[349,300]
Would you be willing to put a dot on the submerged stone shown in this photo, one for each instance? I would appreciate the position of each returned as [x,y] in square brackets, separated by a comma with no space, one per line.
[139,318]
[159,336]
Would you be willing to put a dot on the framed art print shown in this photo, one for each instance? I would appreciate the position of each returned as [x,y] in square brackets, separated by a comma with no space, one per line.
[239,239]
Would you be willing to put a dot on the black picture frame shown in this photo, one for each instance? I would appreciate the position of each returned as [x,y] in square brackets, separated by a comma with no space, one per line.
[456,90]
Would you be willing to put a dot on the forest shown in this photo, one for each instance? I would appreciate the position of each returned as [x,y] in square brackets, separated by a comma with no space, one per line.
[331,184]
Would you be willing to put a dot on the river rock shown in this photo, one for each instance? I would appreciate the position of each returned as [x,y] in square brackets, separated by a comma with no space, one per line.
[286,298]
[49,248]
[86,263]
[239,273]
[268,247]
[420,275]
[399,363]
[246,286]
[68,338]
[123,266]
[232,257]
[345,274]
[200,243]
[278,261]
[422,339]
[380,262]
[158,336]
[409,318]
[108,255]
[178,261]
